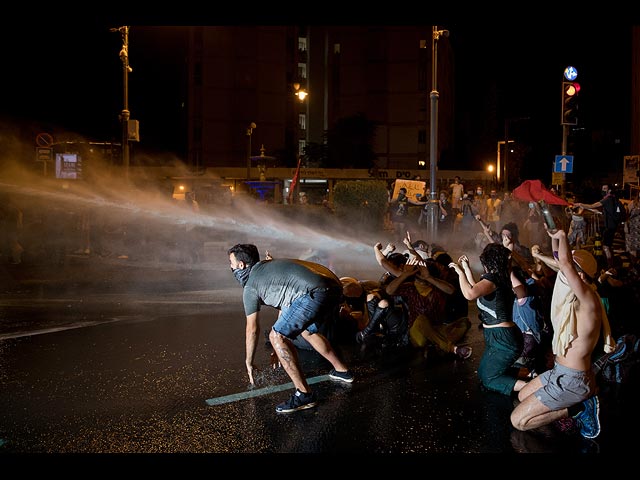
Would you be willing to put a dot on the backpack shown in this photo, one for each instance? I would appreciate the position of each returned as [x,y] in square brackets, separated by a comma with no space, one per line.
[619,365]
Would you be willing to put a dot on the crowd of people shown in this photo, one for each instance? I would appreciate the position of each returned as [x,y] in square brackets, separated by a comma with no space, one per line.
[549,304]
[546,309]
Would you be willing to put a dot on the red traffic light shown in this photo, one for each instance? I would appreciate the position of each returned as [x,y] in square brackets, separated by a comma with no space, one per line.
[570,103]
[571,88]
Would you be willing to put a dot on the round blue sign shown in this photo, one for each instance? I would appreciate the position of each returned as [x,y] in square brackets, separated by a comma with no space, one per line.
[570,73]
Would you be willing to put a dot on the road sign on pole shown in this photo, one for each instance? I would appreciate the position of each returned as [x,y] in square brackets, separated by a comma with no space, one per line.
[44,154]
[563,164]
[44,140]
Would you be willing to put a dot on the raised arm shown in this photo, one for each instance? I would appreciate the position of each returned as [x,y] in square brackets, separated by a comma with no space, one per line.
[550,262]
[394,284]
[486,229]
[470,288]
[382,260]
[412,251]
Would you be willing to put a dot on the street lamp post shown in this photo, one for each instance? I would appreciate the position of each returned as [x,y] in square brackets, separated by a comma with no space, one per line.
[432,215]
[124,116]
[249,133]
[494,177]
[301,94]
[500,166]
[506,142]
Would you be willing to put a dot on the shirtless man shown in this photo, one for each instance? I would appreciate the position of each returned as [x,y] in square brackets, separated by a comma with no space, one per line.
[569,388]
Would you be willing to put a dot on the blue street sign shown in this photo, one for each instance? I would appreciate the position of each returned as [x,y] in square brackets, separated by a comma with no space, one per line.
[570,73]
[563,164]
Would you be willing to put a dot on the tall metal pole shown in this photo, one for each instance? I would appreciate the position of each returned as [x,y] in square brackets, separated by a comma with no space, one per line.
[124,117]
[432,215]
[506,154]
[249,133]
[506,148]
[498,164]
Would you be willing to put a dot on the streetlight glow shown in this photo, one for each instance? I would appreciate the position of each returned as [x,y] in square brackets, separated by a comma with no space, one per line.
[301,94]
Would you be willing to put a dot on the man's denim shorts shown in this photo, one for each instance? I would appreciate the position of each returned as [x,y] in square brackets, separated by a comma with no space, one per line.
[307,311]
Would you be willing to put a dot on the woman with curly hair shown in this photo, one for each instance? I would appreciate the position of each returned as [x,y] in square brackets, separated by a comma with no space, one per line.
[494,296]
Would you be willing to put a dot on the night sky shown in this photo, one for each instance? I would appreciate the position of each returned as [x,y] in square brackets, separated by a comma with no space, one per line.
[67,76]
[515,71]
[70,78]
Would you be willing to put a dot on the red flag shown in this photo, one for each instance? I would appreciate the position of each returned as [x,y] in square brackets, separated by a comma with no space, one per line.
[534,190]
[293,182]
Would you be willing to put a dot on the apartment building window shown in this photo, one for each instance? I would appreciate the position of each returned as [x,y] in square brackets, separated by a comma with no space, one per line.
[336,48]
[302,121]
[302,44]
[302,70]
[302,144]
[423,44]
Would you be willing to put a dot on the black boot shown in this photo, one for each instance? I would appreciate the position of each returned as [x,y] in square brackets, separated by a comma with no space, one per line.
[397,333]
[374,321]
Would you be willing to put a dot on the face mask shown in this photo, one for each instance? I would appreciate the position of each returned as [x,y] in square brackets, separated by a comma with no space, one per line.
[242,275]
[604,192]
[479,192]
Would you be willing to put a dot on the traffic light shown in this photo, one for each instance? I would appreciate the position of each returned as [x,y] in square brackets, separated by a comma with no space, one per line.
[570,94]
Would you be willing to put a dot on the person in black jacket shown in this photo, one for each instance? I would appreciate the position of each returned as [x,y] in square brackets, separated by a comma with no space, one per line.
[611,210]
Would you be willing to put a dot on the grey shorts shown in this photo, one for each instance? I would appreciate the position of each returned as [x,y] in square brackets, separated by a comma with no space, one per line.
[563,386]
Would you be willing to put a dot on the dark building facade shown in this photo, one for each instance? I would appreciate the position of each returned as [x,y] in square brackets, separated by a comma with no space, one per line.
[244,75]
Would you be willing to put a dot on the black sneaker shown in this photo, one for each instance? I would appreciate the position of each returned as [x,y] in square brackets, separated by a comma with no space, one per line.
[297,401]
[346,377]
[589,419]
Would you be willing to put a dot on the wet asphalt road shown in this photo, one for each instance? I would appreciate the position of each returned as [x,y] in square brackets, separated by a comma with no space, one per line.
[125,363]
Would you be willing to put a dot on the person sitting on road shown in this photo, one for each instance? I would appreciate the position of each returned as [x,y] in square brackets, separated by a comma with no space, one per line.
[421,286]
[370,316]
[569,389]
[387,314]
[502,338]
[528,314]
[457,306]
[509,236]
